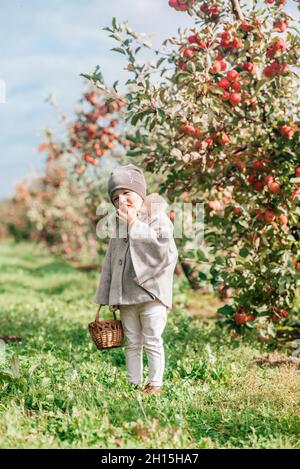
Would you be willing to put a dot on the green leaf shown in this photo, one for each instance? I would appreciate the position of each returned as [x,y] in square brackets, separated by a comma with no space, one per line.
[226,310]
[244,252]
[137,117]
[202,275]
[191,67]
[6,373]
[217,90]
[138,151]
[201,256]
[147,120]
[134,152]
[114,23]
[160,61]
[118,49]
[243,223]
[162,115]
[219,260]
[153,124]
[115,85]
[182,75]
[95,76]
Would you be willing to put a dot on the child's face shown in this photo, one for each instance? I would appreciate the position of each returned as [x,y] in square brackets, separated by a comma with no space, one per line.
[127,197]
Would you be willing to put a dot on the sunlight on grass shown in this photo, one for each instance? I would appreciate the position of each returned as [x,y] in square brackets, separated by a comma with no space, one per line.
[58,390]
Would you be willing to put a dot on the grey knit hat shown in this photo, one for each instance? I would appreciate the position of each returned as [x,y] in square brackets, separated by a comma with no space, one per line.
[127,177]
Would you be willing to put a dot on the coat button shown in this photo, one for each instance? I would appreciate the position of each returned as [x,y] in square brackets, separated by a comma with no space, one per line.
[120,261]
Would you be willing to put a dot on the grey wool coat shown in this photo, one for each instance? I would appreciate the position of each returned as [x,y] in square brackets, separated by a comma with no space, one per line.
[140,261]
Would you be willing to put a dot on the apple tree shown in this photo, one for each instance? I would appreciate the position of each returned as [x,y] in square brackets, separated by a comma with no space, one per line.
[218,109]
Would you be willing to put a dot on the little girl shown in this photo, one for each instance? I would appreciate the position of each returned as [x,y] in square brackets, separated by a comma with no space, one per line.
[137,273]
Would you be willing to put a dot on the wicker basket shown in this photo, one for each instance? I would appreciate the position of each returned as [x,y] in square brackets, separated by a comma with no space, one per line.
[108,333]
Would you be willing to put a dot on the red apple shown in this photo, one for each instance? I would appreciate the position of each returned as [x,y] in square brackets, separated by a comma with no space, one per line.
[188,53]
[251,178]
[183,66]
[226,95]
[223,65]
[268,178]
[283,312]
[225,35]
[247,26]
[236,86]
[223,139]
[232,75]
[192,38]
[280,25]
[237,210]
[240,318]
[258,165]
[216,68]
[258,185]
[250,317]
[89,159]
[268,72]
[224,83]
[260,214]
[269,216]
[235,98]
[225,43]
[283,219]
[279,44]
[274,187]
[248,66]
[236,43]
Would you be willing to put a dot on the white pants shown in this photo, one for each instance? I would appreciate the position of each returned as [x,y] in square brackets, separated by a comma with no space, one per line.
[143,324]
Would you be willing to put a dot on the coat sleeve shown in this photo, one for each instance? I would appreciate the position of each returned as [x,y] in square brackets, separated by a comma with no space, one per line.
[102,293]
[152,246]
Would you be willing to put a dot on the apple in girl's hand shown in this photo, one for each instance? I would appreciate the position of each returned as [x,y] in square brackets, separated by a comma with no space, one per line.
[126,213]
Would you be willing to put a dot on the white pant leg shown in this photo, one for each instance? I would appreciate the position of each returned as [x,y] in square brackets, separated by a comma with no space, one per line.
[153,317]
[129,315]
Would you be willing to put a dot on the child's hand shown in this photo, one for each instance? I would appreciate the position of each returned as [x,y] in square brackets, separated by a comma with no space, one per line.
[126,213]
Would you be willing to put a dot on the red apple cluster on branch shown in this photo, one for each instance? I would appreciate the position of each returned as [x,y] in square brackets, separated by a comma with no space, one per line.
[228,115]
[276,2]
[93,133]
[181,5]
[231,86]
[242,317]
[59,207]
[210,10]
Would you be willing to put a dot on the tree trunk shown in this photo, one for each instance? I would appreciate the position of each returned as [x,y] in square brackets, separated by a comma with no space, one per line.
[190,273]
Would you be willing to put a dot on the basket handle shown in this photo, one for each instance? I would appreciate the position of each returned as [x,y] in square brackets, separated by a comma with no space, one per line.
[98,311]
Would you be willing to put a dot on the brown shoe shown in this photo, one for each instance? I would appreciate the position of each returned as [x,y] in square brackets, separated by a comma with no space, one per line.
[151,389]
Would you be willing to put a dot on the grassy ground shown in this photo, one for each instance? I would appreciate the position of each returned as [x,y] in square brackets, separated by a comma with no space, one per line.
[58,390]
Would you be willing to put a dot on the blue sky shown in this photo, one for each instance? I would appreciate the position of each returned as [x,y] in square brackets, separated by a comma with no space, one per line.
[45,45]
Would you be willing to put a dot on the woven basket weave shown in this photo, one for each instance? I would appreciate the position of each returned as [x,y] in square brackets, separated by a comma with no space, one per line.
[108,333]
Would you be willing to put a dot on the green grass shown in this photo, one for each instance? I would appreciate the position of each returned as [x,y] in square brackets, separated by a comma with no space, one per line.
[60,391]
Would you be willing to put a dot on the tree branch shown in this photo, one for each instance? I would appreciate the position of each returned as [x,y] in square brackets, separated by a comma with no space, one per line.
[237,10]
